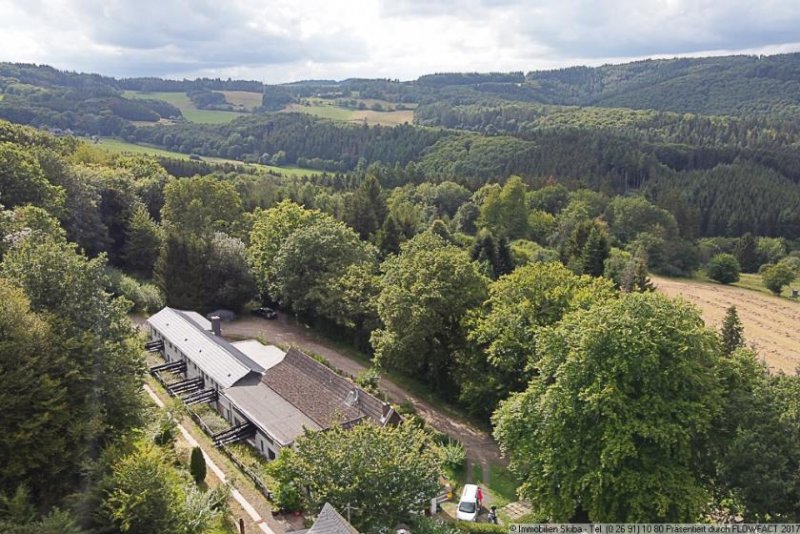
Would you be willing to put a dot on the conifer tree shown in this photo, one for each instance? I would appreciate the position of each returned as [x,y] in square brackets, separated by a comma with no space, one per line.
[595,252]
[747,253]
[732,332]
[635,276]
[197,465]
[504,263]
[484,251]
[366,210]
[390,237]
[142,243]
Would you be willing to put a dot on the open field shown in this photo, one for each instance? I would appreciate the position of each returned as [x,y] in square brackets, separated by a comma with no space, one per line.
[245,99]
[190,112]
[770,323]
[117,146]
[329,111]
[753,281]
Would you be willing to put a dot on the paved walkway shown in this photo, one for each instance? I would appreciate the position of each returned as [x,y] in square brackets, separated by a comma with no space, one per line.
[244,503]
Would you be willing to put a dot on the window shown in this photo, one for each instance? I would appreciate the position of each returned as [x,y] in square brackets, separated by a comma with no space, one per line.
[270,454]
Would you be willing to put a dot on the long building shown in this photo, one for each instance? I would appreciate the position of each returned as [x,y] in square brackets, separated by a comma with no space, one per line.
[267,395]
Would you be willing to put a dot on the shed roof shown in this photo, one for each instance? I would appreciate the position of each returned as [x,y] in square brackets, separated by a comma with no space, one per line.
[269,411]
[220,360]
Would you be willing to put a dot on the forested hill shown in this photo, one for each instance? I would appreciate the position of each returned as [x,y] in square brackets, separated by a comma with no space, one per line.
[731,85]
[748,165]
[728,85]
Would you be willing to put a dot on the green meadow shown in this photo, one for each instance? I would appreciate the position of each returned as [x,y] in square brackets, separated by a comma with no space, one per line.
[116,146]
[189,110]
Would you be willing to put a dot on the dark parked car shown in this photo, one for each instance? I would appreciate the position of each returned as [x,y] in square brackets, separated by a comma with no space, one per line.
[266,313]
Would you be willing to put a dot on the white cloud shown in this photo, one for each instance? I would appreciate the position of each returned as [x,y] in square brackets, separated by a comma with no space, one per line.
[282,40]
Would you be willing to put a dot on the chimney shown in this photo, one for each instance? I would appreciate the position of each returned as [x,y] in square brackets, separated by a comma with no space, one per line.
[216,325]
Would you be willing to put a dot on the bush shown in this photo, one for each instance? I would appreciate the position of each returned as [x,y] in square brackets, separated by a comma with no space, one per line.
[197,465]
[287,497]
[775,277]
[406,408]
[145,297]
[421,524]
[368,379]
[453,454]
[724,268]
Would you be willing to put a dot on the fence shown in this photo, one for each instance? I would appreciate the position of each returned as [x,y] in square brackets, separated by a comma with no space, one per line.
[254,478]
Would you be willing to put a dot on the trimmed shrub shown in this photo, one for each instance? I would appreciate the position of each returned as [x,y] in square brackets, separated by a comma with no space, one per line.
[777,276]
[197,465]
[724,268]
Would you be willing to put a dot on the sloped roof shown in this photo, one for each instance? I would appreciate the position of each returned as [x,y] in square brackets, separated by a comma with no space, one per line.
[220,360]
[320,393]
[329,521]
[264,355]
[269,411]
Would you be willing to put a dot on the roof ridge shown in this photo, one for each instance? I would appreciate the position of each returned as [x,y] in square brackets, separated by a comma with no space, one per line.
[223,343]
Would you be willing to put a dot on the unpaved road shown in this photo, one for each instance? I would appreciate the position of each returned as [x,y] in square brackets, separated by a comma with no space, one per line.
[771,324]
[479,445]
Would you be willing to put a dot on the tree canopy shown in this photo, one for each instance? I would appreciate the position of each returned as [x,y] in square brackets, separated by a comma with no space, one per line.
[612,427]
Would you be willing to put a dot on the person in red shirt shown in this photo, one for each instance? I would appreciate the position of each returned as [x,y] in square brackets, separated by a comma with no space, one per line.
[480,497]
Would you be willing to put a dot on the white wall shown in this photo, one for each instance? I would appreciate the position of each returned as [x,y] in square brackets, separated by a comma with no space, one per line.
[265,445]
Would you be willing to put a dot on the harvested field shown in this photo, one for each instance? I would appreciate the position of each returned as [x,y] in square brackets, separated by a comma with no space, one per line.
[771,324]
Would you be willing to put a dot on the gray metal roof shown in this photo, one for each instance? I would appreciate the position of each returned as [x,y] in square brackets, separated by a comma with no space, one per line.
[265,355]
[269,411]
[329,521]
[221,361]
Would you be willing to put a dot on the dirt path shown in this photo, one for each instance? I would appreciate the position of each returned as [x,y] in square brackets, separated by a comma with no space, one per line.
[479,445]
[771,324]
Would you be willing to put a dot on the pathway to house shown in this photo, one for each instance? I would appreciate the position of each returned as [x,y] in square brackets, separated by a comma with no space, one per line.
[479,445]
[251,511]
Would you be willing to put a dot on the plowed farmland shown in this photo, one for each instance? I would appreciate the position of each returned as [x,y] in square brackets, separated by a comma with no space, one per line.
[770,323]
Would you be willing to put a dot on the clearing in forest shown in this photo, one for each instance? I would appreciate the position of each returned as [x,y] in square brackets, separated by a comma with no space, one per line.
[328,110]
[247,100]
[770,323]
[190,112]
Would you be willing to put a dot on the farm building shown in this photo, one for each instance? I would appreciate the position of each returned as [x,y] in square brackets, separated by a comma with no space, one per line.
[267,395]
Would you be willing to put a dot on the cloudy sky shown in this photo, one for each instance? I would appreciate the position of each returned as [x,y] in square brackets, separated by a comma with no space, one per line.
[284,40]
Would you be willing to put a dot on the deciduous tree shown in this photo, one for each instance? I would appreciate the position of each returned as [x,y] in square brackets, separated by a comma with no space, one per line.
[380,473]
[425,293]
[613,426]
[506,328]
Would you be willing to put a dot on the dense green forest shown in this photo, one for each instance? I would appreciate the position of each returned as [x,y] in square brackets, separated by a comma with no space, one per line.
[749,160]
[498,251]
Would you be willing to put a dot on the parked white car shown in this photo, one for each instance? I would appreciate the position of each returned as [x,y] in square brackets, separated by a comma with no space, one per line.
[469,506]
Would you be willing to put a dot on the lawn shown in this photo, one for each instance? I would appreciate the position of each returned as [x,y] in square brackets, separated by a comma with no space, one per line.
[501,486]
[117,146]
[753,281]
[189,110]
